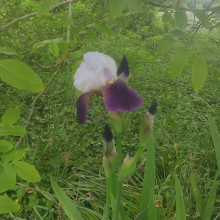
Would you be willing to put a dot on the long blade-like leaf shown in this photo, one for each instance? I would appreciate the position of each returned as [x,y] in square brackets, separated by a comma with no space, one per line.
[68,206]
[152,213]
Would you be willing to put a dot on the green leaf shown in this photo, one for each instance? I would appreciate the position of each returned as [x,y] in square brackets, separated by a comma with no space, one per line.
[53,48]
[14,130]
[165,44]
[181,19]
[5,146]
[180,207]
[20,75]
[116,7]
[189,43]
[167,17]
[66,20]
[178,33]
[121,21]
[26,171]
[68,206]
[74,31]
[8,205]
[41,44]
[64,47]
[7,178]
[158,31]
[199,73]
[198,197]
[93,37]
[207,54]
[211,201]
[215,139]
[76,66]
[45,7]
[83,32]
[11,116]
[103,29]
[58,40]
[178,61]
[6,50]
[78,53]
[91,25]
[13,155]
[201,15]
[149,179]
[152,213]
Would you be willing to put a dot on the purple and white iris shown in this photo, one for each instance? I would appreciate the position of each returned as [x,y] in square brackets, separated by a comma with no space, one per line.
[99,74]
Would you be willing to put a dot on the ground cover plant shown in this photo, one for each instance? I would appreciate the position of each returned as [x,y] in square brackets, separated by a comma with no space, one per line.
[172,49]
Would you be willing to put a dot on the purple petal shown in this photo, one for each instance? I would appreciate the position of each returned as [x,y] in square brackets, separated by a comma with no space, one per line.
[123,70]
[82,107]
[119,97]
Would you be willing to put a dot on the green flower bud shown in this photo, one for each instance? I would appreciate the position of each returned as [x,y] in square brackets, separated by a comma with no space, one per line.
[117,120]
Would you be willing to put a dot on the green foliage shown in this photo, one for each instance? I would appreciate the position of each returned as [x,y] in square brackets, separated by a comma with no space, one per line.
[202,17]
[8,205]
[46,6]
[54,48]
[11,116]
[165,44]
[167,17]
[103,29]
[5,146]
[181,19]
[66,20]
[9,51]
[116,7]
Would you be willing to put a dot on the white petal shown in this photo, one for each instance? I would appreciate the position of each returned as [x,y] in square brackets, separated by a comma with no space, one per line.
[90,74]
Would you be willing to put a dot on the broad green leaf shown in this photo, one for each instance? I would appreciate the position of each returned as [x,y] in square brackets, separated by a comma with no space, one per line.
[178,61]
[45,7]
[167,17]
[202,16]
[93,37]
[26,171]
[20,75]
[83,32]
[14,130]
[64,47]
[11,116]
[5,146]
[13,155]
[91,25]
[41,44]
[121,21]
[149,179]
[189,43]
[74,31]
[9,51]
[211,201]
[103,29]
[78,53]
[158,31]
[198,197]
[76,66]
[68,206]
[8,205]
[152,213]
[180,207]
[199,73]
[207,54]
[178,33]
[215,139]
[53,48]
[58,40]
[165,44]
[116,7]
[181,19]
[66,20]
[7,178]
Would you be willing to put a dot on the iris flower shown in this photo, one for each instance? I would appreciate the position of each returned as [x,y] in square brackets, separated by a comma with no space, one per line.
[98,74]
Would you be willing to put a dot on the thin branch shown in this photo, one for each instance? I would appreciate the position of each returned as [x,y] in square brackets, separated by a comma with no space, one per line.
[34,102]
[68,29]
[48,67]
[33,14]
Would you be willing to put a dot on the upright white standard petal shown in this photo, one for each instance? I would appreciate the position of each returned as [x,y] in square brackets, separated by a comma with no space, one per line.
[94,72]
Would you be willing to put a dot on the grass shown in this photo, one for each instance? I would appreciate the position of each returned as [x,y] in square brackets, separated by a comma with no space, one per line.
[73,153]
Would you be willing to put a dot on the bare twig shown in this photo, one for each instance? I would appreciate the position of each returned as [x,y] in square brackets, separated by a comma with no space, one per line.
[34,102]
[68,29]
[33,14]
[48,67]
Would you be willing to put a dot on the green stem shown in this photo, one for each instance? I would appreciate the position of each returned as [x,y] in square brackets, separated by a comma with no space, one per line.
[119,149]
[118,204]
[108,197]
[138,153]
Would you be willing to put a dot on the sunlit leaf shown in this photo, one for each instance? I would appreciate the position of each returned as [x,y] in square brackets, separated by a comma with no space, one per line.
[13,155]
[14,130]
[202,16]
[54,48]
[26,171]
[116,7]
[181,19]
[165,44]
[178,61]
[103,29]
[167,17]
[9,51]
[46,6]
[5,146]
[8,205]
[68,206]
[20,75]
[66,20]
[11,116]
[199,73]
[78,53]
[64,47]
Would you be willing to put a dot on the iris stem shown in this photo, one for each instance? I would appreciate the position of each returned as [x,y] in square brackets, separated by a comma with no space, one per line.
[119,149]
[118,204]
[108,198]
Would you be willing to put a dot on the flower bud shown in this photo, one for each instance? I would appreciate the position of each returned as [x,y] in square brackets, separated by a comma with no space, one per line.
[127,169]
[108,141]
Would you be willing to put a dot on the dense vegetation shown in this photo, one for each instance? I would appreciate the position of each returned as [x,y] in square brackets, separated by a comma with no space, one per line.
[170,60]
